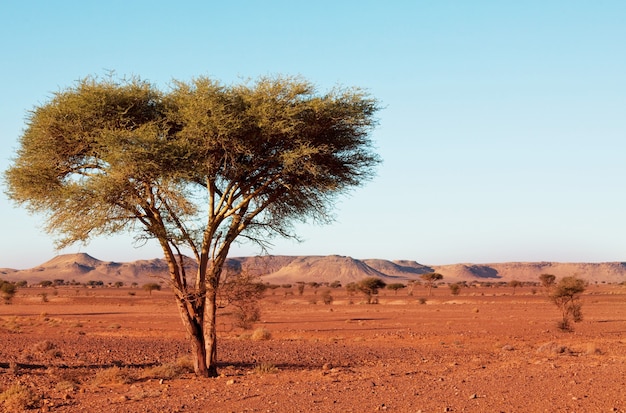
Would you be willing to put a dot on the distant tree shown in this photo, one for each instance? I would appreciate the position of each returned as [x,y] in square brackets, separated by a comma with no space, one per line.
[300,287]
[118,284]
[411,286]
[242,290]
[566,296]
[46,283]
[430,279]
[196,168]
[547,280]
[352,288]
[370,286]
[455,289]
[327,297]
[335,284]
[395,287]
[21,284]
[8,290]
[149,287]
[514,284]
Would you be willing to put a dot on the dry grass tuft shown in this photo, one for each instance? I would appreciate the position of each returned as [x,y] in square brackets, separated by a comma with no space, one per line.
[18,398]
[261,334]
[113,376]
[265,368]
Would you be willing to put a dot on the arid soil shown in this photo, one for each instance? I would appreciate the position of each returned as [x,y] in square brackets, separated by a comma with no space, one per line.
[486,350]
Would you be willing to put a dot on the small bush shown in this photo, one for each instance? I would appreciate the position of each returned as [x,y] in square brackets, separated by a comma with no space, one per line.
[112,376]
[265,368]
[166,371]
[455,289]
[261,334]
[18,398]
[421,300]
[246,314]
[47,349]
[327,298]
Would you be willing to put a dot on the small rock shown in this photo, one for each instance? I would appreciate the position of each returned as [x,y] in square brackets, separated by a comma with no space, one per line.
[473,396]
[230,382]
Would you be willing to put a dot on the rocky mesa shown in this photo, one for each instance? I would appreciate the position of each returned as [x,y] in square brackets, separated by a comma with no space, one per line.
[278,269]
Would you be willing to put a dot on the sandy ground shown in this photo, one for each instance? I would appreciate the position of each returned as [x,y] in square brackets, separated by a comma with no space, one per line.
[486,350]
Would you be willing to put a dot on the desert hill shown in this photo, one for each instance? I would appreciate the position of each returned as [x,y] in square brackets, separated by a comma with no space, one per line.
[277,269]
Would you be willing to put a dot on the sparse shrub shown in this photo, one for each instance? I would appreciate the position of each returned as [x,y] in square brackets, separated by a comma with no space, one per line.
[265,368]
[430,279]
[421,300]
[246,314]
[455,289]
[547,280]
[47,349]
[18,398]
[514,284]
[149,287]
[335,284]
[44,297]
[395,287]
[565,296]
[370,286]
[327,298]
[243,291]
[8,291]
[261,334]
[167,371]
[300,288]
[112,376]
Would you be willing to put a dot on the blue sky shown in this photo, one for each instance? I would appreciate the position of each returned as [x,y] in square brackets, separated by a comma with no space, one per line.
[503,132]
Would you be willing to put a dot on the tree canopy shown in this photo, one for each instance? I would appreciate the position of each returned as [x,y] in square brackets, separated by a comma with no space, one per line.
[195,168]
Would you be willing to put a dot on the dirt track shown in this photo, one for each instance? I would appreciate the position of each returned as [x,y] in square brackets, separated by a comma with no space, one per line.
[485,350]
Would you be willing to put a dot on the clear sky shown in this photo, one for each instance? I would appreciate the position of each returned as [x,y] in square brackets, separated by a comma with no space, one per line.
[503,132]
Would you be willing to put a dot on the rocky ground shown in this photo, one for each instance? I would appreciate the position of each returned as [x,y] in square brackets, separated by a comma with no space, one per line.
[486,350]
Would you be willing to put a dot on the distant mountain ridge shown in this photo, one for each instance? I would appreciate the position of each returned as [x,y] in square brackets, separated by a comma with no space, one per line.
[280,269]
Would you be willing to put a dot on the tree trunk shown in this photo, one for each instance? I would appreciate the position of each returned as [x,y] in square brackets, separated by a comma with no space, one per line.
[210,332]
[195,335]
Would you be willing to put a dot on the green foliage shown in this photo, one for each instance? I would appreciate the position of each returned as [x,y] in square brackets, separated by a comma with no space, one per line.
[149,287]
[430,279]
[195,168]
[395,287]
[8,290]
[566,296]
[370,286]
[455,289]
[547,280]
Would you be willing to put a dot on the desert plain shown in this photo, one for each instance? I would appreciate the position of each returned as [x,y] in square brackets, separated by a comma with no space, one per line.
[488,349]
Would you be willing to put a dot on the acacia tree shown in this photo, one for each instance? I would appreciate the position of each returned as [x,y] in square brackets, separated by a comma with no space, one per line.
[430,279]
[195,168]
[370,286]
[547,281]
[566,296]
